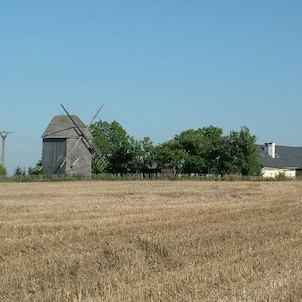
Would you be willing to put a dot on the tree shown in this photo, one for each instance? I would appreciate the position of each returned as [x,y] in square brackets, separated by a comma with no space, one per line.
[195,151]
[205,147]
[207,151]
[114,144]
[122,152]
[37,170]
[19,171]
[243,153]
[142,151]
[3,171]
[170,154]
[190,142]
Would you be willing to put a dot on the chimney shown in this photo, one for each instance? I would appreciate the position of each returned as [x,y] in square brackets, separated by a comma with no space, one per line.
[270,149]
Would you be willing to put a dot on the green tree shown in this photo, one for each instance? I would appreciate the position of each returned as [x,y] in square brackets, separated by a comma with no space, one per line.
[205,149]
[243,153]
[142,151]
[3,171]
[113,141]
[37,170]
[122,152]
[19,171]
[190,143]
[169,154]
[30,170]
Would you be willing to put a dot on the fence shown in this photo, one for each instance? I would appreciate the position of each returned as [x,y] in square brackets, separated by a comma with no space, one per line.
[137,176]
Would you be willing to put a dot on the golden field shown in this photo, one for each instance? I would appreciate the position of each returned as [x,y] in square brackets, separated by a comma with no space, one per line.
[151,241]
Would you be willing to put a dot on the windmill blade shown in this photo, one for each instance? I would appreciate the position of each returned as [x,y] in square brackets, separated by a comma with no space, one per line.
[100,164]
[74,146]
[78,129]
[73,164]
[94,117]
[91,147]
[80,133]
[79,139]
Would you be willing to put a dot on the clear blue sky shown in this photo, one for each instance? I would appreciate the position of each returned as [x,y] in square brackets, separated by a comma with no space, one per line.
[159,67]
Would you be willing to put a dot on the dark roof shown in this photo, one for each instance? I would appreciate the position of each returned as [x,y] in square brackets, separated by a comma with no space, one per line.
[286,157]
[61,126]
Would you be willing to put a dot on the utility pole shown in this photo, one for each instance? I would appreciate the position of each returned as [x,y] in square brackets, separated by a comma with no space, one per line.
[3,134]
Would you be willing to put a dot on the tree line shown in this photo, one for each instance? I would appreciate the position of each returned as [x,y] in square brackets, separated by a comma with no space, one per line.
[203,151]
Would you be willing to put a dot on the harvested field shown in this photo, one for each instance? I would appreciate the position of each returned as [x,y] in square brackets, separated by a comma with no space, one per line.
[151,241]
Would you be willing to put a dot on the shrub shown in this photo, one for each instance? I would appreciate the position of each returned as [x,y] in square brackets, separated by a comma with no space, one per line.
[3,171]
[19,172]
[281,176]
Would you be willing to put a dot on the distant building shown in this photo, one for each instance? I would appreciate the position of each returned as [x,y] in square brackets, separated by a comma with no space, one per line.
[64,151]
[277,159]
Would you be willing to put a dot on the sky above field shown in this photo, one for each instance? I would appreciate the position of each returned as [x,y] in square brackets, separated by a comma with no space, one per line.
[158,67]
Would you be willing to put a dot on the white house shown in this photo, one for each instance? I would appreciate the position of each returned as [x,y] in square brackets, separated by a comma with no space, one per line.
[277,159]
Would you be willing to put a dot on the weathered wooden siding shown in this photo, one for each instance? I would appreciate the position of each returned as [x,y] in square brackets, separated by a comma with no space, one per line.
[60,147]
[53,154]
[78,161]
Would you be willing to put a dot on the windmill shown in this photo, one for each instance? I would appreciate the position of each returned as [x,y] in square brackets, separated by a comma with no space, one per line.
[68,147]
[97,155]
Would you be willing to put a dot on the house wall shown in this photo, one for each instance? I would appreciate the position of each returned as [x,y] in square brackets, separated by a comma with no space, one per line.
[268,172]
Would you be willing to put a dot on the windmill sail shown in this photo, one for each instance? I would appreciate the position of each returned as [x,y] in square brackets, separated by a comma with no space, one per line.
[99,160]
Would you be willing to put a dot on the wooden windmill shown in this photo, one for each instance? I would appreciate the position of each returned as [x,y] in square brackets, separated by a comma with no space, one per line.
[68,147]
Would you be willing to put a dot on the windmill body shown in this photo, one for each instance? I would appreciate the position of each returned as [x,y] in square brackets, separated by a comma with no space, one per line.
[65,151]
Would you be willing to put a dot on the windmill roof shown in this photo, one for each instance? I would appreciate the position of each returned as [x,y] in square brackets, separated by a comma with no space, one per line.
[286,157]
[61,126]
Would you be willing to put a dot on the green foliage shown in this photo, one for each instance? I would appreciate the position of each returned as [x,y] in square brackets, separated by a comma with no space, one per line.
[3,171]
[281,176]
[142,151]
[204,147]
[99,165]
[19,172]
[243,152]
[113,142]
[37,170]
[30,170]
[121,151]
[203,151]
[207,151]
[191,143]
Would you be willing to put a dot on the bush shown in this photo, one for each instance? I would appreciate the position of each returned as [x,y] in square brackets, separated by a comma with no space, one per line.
[19,172]
[3,171]
[281,176]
